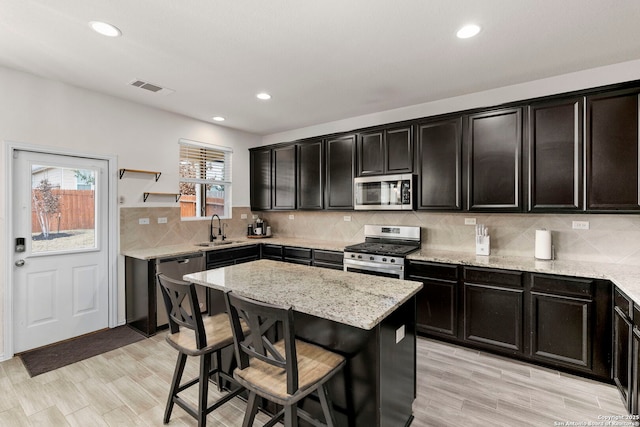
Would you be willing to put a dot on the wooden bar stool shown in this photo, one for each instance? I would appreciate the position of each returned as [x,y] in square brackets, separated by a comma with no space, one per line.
[284,370]
[193,335]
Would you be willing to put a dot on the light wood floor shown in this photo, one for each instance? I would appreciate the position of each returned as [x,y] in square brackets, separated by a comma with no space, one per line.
[456,386]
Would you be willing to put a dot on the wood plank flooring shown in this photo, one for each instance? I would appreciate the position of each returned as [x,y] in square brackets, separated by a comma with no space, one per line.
[456,386]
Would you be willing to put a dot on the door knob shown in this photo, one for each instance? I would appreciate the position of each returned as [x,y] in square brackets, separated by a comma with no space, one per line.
[19,263]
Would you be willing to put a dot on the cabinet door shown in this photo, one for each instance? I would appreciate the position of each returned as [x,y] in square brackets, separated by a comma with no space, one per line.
[493,317]
[612,151]
[436,304]
[635,352]
[399,150]
[555,155]
[371,154]
[562,330]
[440,165]
[260,176]
[340,172]
[622,357]
[284,178]
[310,175]
[494,141]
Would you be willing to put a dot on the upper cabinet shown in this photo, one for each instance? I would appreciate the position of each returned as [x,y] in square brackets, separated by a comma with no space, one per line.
[340,156]
[612,151]
[260,178]
[439,164]
[284,177]
[494,151]
[311,175]
[385,151]
[555,155]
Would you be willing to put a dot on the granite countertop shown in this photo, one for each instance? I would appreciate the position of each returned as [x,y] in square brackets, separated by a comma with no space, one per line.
[189,248]
[354,299]
[625,277]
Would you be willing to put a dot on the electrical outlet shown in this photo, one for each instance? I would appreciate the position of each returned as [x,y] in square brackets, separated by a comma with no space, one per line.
[400,333]
[580,225]
[292,216]
[143,221]
[347,218]
[469,221]
[162,220]
[243,216]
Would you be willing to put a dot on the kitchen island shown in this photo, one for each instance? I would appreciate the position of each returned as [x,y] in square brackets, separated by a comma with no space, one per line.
[368,319]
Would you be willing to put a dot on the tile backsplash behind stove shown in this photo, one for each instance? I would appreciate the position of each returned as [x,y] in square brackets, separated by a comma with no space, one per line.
[610,238]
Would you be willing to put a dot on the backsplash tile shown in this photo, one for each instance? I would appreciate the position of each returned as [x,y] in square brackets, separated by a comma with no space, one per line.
[611,238]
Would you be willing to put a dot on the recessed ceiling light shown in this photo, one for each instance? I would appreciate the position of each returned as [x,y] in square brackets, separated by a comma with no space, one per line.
[468,31]
[263,96]
[105,29]
[218,119]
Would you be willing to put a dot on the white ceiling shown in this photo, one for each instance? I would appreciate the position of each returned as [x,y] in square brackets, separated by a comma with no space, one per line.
[322,60]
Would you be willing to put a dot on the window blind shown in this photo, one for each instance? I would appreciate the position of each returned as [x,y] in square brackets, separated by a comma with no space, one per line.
[204,164]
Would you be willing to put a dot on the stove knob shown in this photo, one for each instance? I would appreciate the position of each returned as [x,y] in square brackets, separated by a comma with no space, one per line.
[359,256]
[384,260]
[353,255]
[393,260]
[371,258]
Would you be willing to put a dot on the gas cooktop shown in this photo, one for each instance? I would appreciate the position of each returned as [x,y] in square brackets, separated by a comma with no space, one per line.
[378,248]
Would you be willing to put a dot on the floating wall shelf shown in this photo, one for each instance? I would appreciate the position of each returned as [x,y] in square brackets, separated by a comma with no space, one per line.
[157,174]
[147,194]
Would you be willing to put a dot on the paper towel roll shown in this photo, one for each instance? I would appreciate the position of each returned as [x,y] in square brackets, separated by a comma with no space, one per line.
[543,244]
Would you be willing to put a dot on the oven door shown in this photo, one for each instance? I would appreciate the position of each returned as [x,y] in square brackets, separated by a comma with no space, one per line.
[375,269]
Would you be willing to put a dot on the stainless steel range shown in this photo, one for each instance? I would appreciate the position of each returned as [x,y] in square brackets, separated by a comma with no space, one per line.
[383,251]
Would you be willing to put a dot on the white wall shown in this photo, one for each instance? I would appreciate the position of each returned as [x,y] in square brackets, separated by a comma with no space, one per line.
[617,73]
[55,115]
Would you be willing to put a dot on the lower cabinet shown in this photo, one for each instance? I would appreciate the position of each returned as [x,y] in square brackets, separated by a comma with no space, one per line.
[635,365]
[623,349]
[231,256]
[494,309]
[273,252]
[297,255]
[558,321]
[328,259]
[437,311]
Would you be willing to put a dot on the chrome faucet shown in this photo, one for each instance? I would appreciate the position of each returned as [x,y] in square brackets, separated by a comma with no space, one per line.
[212,236]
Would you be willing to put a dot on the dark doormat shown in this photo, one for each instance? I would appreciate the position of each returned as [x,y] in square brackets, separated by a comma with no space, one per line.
[54,356]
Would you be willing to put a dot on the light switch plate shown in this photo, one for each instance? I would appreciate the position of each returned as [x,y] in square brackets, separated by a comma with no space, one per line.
[162,220]
[469,221]
[347,218]
[243,216]
[292,216]
[580,225]
[400,334]
[143,221]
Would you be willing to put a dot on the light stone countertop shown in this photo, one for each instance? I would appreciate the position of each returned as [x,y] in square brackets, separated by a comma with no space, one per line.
[354,299]
[625,277]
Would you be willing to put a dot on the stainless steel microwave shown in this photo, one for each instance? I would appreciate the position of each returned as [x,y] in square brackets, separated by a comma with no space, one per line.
[386,192]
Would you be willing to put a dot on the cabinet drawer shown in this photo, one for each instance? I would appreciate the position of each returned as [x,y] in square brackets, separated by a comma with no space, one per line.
[636,317]
[428,270]
[581,288]
[623,302]
[272,251]
[301,253]
[493,277]
[328,256]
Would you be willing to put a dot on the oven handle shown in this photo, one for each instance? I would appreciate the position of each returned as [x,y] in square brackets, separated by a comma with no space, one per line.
[368,266]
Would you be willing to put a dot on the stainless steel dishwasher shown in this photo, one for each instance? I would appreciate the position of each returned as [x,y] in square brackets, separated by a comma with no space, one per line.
[176,267]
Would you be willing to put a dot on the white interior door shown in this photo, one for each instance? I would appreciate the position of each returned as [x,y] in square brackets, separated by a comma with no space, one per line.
[61,285]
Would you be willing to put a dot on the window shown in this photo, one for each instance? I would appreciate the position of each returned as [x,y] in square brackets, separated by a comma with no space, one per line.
[205,180]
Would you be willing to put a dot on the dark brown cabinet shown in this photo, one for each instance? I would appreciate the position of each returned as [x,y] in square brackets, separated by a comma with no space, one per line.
[260,177]
[494,147]
[570,323]
[283,195]
[623,346]
[340,156]
[385,151]
[311,175]
[437,301]
[612,151]
[439,165]
[635,363]
[273,252]
[555,155]
[328,259]
[494,309]
[297,255]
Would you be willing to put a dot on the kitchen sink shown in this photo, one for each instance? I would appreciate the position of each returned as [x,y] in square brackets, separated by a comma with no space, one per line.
[216,243]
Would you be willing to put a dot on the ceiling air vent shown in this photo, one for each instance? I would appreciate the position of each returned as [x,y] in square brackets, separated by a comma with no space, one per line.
[151,87]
